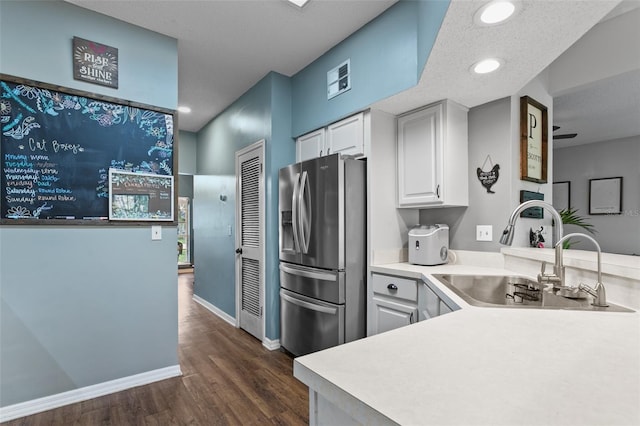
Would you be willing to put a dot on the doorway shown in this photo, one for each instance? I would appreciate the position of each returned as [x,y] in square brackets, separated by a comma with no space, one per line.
[250,219]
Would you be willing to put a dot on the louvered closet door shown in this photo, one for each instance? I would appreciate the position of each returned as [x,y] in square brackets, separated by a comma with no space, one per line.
[250,232]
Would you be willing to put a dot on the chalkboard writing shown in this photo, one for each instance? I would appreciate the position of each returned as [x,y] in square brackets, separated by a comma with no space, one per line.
[140,196]
[57,148]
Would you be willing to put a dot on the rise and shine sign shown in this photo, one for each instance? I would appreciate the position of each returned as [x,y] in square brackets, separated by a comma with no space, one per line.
[95,63]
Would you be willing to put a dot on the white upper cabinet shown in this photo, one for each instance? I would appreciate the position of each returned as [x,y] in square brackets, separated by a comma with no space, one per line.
[433,157]
[346,137]
[310,145]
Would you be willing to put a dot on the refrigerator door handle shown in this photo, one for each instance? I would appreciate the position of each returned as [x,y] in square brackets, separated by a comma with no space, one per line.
[308,305]
[305,213]
[308,274]
[295,200]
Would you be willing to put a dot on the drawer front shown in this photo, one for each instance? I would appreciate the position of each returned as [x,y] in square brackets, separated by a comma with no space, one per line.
[391,286]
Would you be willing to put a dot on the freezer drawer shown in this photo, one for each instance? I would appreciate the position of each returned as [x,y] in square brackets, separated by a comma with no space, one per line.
[315,283]
[309,325]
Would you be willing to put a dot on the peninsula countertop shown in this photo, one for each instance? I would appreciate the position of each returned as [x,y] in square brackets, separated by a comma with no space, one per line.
[483,365]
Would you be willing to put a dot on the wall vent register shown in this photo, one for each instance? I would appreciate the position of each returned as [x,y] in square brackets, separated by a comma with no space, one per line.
[339,79]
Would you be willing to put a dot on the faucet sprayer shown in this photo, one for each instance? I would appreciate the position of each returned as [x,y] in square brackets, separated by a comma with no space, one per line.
[507,234]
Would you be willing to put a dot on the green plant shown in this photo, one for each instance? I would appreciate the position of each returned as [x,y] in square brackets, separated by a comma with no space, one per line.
[570,216]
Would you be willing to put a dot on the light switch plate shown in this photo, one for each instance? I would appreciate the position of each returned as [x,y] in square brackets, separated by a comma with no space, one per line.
[156,232]
[484,233]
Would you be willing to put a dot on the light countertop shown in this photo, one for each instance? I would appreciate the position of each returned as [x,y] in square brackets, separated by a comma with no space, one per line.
[481,366]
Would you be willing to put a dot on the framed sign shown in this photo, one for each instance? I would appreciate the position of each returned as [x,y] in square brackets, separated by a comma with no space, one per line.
[533,140]
[532,212]
[95,63]
[605,196]
[140,196]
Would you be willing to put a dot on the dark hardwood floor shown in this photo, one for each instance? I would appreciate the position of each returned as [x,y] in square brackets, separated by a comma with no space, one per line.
[228,378]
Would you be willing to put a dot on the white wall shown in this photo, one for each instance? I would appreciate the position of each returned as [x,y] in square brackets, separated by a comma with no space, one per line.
[494,130]
[388,226]
[621,157]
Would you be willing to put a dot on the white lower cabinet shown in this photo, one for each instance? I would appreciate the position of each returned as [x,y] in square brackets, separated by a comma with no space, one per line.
[389,315]
[393,303]
[398,301]
[432,302]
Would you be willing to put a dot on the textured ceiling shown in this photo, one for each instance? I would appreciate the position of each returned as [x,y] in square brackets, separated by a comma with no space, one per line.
[528,43]
[227,46]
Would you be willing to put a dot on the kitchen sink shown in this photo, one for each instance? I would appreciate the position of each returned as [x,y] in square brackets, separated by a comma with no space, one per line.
[517,292]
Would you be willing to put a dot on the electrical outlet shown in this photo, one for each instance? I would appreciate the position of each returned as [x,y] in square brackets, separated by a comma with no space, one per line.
[156,232]
[484,233]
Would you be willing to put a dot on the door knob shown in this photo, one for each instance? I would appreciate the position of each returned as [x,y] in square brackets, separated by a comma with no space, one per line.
[239,251]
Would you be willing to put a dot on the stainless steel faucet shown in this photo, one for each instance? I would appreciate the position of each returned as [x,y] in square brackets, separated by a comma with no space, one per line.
[507,234]
[557,277]
[598,292]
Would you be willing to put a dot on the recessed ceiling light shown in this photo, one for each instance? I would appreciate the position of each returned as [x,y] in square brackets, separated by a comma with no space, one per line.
[486,66]
[495,12]
[185,109]
[299,3]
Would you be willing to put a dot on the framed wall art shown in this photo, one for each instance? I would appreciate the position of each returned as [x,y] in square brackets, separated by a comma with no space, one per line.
[605,196]
[533,140]
[140,196]
[58,145]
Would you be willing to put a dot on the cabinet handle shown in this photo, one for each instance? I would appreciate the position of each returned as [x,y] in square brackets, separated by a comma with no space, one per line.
[438,191]
[392,287]
[328,151]
[411,318]
[320,153]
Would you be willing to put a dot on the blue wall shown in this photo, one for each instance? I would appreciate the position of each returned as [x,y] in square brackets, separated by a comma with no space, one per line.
[387,56]
[280,152]
[263,112]
[187,153]
[102,302]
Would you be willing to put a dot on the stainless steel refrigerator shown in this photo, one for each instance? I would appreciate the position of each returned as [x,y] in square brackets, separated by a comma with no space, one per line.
[322,214]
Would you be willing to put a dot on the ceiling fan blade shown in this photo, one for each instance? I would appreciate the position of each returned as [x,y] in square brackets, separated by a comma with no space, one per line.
[565,136]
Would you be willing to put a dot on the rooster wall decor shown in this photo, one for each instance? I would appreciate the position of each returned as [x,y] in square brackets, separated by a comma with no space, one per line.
[488,179]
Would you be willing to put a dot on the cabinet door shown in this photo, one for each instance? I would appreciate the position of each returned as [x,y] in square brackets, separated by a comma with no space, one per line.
[347,136]
[444,308]
[420,157]
[310,145]
[429,302]
[388,315]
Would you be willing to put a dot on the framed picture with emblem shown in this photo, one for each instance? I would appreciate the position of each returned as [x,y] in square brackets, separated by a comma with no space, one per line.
[533,140]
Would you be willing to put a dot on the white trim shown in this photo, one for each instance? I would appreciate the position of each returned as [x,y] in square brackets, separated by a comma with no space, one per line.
[272,345]
[38,405]
[214,309]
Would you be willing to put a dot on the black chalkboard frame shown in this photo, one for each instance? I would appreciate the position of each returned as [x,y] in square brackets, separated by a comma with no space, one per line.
[108,99]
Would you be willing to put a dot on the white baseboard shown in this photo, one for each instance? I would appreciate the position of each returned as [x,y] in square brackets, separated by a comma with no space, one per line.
[272,345]
[219,312]
[38,405]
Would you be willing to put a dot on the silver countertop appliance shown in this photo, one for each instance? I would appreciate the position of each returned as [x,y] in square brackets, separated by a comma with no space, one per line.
[429,244]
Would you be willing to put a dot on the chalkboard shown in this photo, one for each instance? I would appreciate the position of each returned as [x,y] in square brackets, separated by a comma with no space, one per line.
[58,145]
[140,196]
